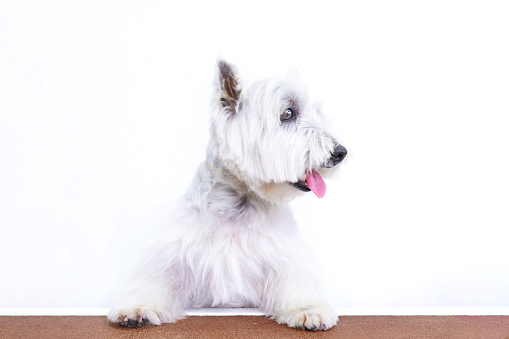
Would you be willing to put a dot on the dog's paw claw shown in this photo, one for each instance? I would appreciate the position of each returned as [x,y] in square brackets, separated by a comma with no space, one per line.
[132,322]
[312,329]
[134,317]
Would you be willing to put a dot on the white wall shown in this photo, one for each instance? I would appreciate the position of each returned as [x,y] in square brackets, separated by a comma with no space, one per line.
[103,119]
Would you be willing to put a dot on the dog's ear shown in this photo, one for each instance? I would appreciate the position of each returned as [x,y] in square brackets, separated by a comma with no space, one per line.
[229,85]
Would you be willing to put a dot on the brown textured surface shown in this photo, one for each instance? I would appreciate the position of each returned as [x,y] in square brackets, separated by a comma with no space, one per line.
[378,327]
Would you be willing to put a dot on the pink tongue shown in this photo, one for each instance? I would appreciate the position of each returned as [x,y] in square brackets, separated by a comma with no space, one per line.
[316,183]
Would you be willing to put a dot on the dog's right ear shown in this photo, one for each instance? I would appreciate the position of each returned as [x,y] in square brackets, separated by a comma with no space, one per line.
[229,86]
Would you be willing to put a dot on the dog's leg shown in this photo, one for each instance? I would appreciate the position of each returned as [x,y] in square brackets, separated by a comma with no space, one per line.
[298,308]
[153,294]
[294,298]
[150,301]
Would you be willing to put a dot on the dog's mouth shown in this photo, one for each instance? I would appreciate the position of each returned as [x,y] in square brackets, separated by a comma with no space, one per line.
[313,182]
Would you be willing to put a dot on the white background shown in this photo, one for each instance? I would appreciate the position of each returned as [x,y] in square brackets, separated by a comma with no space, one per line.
[104,118]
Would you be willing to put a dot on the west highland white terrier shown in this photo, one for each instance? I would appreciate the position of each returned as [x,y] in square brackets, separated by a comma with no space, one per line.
[233,241]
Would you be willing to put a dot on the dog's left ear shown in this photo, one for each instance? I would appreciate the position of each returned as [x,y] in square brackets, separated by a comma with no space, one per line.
[229,85]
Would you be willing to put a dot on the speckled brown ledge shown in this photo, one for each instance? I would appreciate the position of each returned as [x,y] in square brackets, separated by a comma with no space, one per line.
[357,327]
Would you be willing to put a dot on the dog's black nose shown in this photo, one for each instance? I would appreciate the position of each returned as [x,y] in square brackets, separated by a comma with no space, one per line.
[338,154]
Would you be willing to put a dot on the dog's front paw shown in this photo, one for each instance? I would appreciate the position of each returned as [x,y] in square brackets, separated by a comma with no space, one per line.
[309,318]
[135,317]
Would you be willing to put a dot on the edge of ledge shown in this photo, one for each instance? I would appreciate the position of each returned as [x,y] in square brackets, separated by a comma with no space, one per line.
[352,311]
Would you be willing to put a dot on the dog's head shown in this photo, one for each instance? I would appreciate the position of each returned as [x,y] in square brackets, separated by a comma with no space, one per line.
[270,136]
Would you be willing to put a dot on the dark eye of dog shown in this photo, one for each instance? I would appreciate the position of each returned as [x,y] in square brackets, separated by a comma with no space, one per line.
[287,115]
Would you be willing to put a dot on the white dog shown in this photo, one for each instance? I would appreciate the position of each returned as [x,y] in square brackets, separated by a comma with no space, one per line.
[233,240]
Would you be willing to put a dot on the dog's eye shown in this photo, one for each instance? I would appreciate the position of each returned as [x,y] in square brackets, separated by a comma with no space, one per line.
[287,115]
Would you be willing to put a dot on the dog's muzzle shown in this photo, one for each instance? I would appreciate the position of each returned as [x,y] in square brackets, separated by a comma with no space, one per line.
[314,181]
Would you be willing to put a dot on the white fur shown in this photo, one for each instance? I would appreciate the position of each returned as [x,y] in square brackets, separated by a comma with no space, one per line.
[233,241]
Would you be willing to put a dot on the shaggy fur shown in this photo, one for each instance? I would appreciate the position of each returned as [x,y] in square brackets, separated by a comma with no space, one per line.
[233,241]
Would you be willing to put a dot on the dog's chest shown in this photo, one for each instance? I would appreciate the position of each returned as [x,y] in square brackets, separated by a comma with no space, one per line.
[229,267]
